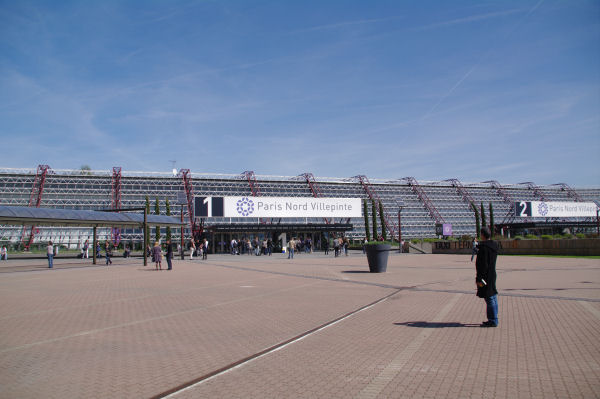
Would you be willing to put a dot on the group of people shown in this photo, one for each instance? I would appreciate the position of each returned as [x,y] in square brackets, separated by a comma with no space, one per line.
[157,254]
[199,248]
[339,244]
[255,246]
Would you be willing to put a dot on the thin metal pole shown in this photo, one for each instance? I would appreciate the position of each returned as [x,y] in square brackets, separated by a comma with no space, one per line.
[182,231]
[145,238]
[399,232]
[94,248]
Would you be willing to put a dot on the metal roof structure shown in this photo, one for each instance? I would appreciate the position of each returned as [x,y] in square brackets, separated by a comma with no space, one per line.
[21,215]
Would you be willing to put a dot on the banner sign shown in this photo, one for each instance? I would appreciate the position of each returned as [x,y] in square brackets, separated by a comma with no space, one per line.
[555,209]
[277,207]
[447,229]
[443,229]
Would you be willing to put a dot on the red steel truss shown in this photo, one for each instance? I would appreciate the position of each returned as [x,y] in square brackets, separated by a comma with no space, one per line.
[364,181]
[412,182]
[314,187]
[536,190]
[35,200]
[189,193]
[254,187]
[116,202]
[570,192]
[506,197]
[462,191]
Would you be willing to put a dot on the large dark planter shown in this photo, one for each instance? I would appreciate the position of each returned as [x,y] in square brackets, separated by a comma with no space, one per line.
[377,256]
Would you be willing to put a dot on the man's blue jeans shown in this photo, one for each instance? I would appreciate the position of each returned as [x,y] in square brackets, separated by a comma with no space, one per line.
[492,309]
[291,254]
[50,256]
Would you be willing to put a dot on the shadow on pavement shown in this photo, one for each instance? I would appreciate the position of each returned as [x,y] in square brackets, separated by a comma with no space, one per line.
[427,324]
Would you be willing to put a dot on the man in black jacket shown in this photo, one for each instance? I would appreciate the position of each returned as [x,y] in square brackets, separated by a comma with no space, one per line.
[169,255]
[486,276]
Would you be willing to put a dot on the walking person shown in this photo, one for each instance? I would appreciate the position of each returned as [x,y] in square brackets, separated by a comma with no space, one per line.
[475,249]
[270,247]
[157,252]
[204,249]
[336,247]
[3,253]
[107,252]
[486,276]
[326,247]
[169,255]
[291,247]
[192,249]
[50,254]
[86,249]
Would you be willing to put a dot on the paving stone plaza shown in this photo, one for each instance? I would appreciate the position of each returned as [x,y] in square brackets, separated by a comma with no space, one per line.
[311,327]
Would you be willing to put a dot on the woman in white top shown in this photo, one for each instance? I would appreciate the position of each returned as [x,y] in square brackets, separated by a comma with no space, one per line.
[192,249]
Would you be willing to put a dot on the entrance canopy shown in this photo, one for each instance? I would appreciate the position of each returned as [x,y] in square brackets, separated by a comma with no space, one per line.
[21,215]
[259,227]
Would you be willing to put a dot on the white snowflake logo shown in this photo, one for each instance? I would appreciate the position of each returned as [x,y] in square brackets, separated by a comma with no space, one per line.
[245,206]
[543,209]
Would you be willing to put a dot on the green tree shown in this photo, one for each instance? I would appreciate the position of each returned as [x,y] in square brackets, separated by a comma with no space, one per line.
[492,227]
[147,233]
[85,170]
[168,213]
[157,212]
[382,216]
[374,217]
[483,218]
[366,213]
[477,225]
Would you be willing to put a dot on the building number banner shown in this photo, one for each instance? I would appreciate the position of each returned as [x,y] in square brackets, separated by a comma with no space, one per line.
[555,209]
[277,207]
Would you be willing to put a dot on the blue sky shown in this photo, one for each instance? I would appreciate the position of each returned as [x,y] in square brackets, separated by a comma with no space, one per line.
[477,90]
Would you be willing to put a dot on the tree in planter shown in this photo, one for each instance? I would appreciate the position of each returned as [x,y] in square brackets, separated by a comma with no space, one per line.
[492,227]
[483,219]
[382,217]
[366,213]
[477,225]
[168,213]
[374,216]
[157,212]
[147,235]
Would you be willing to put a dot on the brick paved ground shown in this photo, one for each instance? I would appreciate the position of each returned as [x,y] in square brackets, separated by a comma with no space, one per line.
[127,331]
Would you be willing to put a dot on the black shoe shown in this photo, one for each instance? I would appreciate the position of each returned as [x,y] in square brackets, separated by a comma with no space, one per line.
[488,324]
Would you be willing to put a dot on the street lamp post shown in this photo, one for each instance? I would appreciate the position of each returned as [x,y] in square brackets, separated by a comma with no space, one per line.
[181,238]
[400,203]
[182,200]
